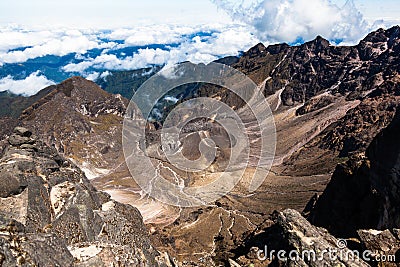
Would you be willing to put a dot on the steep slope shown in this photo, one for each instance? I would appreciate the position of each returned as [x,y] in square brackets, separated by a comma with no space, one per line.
[311,87]
[329,103]
[350,134]
[82,121]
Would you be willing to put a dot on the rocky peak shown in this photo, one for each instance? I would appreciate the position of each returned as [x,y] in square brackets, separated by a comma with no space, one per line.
[382,35]
[317,45]
[80,87]
[277,48]
[304,71]
[379,44]
[82,121]
[255,51]
[81,94]
[376,36]
[394,35]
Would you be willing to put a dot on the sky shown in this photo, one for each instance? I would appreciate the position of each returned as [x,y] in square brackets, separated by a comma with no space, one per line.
[128,13]
[182,30]
[375,9]
[109,14]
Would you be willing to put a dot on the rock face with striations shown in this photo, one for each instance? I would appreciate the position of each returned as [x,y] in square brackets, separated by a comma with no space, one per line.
[50,214]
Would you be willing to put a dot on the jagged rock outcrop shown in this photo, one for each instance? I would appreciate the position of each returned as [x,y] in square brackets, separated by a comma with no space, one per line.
[50,214]
[300,243]
[383,244]
[364,192]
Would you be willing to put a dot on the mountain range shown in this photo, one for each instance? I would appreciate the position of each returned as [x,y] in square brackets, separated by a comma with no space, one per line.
[335,173]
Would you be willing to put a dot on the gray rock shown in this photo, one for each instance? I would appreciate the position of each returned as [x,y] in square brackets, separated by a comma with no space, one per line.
[8,224]
[39,212]
[77,224]
[21,131]
[17,140]
[47,250]
[103,197]
[11,184]
[123,224]
[115,255]
[7,258]
[299,235]
[47,203]
[28,147]
[62,176]
[382,241]
[48,166]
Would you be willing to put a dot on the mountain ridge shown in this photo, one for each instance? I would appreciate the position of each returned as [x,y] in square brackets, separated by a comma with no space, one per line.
[329,104]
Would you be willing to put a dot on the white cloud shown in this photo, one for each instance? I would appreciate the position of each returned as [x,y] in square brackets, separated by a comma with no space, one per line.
[58,47]
[78,67]
[224,40]
[143,58]
[197,49]
[105,74]
[29,86]
[92,76]
[225,43]
[40,43]
[155,34]
[11,38]
[288,20]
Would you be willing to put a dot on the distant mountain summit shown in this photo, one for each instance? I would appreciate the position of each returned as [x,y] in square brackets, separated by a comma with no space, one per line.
[82,121]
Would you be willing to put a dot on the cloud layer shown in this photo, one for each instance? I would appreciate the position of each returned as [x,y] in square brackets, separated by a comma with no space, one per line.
[28,86]
[19,45]
[190,46]
[91,53]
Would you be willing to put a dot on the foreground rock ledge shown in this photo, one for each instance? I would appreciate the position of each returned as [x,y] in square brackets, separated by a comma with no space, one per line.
[50,214]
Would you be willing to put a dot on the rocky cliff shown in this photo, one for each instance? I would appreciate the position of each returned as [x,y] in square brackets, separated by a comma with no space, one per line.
[364,191]
[50,214]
